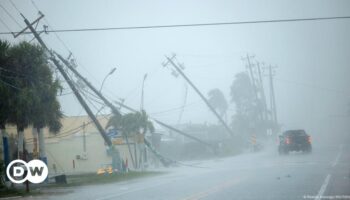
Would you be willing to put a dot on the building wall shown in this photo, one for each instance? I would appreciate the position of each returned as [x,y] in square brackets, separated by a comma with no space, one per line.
[63,153]
[62,148]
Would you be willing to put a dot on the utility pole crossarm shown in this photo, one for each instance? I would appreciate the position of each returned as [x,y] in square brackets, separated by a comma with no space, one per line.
[34,22]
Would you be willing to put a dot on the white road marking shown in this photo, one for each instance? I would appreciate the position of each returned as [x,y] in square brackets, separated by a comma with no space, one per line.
[323,187]
[338,156]
[328,177]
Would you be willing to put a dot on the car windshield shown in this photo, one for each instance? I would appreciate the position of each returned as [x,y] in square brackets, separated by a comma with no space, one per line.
[170,100]
[295,133]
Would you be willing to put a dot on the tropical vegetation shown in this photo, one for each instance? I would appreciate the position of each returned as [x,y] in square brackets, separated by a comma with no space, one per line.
[28,90]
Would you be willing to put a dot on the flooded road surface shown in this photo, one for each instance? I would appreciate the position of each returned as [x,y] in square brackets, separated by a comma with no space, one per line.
[265,175]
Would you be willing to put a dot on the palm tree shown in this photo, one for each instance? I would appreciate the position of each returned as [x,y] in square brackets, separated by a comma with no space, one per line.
[34,102]
[116,121]
[131,125]
[4,87]
[218,101]
[48,112]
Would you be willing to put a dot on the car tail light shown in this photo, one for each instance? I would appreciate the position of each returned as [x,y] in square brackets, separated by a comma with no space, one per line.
[309,139]
[287,140]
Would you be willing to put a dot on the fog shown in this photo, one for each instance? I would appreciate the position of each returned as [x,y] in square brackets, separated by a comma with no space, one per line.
[311,85]
[312,57]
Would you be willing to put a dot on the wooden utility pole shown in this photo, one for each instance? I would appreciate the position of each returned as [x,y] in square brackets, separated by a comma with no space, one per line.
[71,84]
[263,96]
[272,95]
[250,69]
[115,110]
[177,68]
[142,92]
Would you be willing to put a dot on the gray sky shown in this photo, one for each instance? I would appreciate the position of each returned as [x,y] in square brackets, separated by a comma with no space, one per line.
[311,80]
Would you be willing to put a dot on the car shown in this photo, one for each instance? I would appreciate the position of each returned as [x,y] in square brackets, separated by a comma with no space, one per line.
[294,140]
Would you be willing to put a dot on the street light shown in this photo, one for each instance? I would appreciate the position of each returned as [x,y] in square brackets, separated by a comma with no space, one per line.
[110,73]
[143,84]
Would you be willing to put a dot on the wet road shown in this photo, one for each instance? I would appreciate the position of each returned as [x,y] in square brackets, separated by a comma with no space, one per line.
[265,175]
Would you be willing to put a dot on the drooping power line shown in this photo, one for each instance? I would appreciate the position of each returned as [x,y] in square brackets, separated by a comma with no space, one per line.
[192,25]
[14,5]
[47,22]
[3,22]
[9,14]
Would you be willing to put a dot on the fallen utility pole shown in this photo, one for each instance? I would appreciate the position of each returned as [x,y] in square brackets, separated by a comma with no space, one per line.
[72,86]
[170,60]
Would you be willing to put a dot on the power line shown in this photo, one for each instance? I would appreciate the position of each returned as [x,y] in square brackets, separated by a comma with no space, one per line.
[62,42]
[66,133]
[174,109]
[8,28]
[14,5]
[9,14]
[57,36]
[64,94]
[73,121]
[191,25]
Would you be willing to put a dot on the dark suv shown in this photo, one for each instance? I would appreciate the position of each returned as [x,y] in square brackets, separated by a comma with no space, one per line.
[294,140]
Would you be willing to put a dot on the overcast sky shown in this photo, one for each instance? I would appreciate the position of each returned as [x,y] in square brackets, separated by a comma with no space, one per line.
[312,57]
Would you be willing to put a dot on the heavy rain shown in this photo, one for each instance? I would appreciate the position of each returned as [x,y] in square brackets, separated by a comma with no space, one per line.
[225,99]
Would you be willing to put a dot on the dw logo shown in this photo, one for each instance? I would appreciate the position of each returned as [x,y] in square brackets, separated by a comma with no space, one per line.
[35,171]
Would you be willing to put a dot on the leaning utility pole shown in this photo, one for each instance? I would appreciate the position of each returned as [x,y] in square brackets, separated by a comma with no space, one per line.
[250,68]
[170,60]
[115,110]
[142,91]
[272,95]
[98,93]
[252,78]
[263,96]
[69,81]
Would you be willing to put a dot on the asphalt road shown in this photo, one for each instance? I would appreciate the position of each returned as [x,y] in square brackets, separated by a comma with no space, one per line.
[324,174]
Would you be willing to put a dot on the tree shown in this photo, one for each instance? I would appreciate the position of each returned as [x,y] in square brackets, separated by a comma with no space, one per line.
[131,125]
[4,87]
[33,101]
[218,101]
[248,108]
